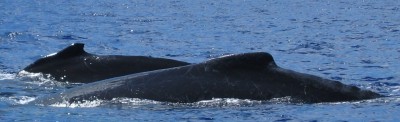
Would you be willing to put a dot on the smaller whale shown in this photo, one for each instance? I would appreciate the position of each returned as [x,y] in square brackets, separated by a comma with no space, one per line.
[244,76]
[73,64]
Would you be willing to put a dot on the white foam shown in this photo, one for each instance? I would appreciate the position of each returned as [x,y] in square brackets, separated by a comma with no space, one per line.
[19,99]
[38,78]
[95,103]
[134,101]
[6,76]
[26,74]
[83,104]
[225,102]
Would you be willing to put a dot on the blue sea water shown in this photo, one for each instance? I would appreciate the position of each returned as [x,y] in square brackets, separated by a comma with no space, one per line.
[354,41]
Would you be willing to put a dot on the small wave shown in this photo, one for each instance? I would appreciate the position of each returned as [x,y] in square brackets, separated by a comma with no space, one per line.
[376,102]
[11,35]
[391,89]
[66,37]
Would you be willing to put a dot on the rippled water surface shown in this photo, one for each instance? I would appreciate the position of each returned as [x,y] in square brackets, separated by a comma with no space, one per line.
[354,41]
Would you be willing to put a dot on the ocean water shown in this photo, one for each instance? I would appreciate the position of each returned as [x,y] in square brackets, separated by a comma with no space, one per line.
[354,41]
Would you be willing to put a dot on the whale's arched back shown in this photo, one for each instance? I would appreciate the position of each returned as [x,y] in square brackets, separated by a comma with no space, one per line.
[251,61]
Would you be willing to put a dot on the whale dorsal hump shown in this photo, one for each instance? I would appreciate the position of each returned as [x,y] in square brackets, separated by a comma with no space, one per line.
[250,61]
[75,49]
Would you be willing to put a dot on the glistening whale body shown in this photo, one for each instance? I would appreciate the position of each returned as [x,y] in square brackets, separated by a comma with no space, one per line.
[73,64]
[245,76]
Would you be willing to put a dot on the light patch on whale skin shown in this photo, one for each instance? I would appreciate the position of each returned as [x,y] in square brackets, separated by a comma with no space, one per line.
[224,56]
[49,55]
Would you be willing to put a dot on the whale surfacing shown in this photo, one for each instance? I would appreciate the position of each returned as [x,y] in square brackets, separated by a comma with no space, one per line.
[73,64]
[244,76]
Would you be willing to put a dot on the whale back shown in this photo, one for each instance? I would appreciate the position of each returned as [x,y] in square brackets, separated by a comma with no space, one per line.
[73,64]
[246,61]
[244,76]
[259,69]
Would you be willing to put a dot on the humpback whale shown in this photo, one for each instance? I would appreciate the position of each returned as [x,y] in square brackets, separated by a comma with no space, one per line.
[252,76]
[74,64]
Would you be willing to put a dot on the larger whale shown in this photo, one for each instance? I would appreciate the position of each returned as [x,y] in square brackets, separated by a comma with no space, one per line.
[245,76]
[73,64]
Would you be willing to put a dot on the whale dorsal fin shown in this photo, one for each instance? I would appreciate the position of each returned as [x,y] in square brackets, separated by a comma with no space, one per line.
[75,49]
[252,61]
